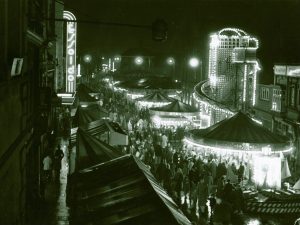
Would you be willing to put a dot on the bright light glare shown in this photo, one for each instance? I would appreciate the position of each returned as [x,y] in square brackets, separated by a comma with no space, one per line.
[87,58]
[214,41]
[194,62]
[267,171]
[170,61]
[138,60]
[213,80]
[253,222]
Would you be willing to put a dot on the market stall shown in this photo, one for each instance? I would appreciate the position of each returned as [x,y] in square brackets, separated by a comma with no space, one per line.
[155,99]
[174,114]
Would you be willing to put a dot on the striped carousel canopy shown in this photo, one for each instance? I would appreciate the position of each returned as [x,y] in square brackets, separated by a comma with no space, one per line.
[175,107]
[155,97]
[240,128]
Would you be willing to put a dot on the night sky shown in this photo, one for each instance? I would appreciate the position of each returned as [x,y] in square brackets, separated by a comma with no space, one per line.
[275,23]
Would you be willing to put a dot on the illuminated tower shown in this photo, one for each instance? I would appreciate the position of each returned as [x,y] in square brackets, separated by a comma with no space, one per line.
[233,68]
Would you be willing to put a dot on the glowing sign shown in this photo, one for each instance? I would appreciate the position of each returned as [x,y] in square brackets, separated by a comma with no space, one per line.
[70,52]
[293,71]
[280,70]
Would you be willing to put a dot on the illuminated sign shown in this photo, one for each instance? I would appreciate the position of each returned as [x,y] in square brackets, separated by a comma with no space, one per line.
[280,70]
[293,71]
[70,52]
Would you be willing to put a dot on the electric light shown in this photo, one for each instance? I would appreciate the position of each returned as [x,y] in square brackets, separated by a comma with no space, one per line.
[138,60]
[87,58]
[170,61]
[253,222]
[245,83]
[78,70]
[70,52]
[193,62]
[117,58]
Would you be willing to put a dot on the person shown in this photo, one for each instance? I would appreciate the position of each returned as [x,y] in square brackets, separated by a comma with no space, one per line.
[47,166]
[240,172]
[58,156]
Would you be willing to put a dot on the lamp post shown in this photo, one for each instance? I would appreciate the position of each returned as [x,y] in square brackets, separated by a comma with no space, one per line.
[87,59]
[171,62]
[193,63]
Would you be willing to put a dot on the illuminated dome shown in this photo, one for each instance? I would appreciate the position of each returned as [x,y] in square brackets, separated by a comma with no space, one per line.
[176,107]
[232,32]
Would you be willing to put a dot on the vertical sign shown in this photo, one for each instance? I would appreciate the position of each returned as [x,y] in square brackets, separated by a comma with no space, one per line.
[70,52]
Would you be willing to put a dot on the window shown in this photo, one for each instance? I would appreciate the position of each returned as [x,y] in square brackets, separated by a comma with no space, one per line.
[276,100]
[264,93]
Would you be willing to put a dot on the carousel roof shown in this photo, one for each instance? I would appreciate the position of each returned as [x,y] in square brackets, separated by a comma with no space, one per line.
[239,128]
[156,97]
[92,151]
[176,106]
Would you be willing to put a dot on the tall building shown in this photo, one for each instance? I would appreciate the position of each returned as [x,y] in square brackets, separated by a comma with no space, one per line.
[232,75]
[27,68]
[233,68]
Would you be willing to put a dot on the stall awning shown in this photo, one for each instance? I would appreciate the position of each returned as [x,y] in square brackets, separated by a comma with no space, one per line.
[91,151]
[123,191]
[98,127]
[88,114]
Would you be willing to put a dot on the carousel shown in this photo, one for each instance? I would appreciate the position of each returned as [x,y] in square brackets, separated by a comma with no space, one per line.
[240,139]
[174,114]
[155,99]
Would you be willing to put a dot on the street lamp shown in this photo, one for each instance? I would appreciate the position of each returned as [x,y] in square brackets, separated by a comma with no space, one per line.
[194,62]
[138,60]
[171,61]
[87,58]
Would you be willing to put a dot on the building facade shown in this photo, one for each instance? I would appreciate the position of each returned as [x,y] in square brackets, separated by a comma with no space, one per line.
[27,71]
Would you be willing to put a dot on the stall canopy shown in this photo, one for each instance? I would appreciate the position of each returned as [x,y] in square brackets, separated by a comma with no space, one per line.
[175,107]
[116,134]
[91,151]
[123,191]
[239,128]
[88,114]
[154,82]
[84,96]
[84,88]
[156,97]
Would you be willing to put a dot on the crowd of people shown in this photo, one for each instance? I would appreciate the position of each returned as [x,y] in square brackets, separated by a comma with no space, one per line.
[204,186]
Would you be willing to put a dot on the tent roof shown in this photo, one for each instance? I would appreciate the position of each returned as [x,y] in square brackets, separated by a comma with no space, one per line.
[84,88]
[98,127]
[176,106]
[83,95]
[239,128]
[88,114]
[123,191]
[90,150]
[155,82]
[156,97]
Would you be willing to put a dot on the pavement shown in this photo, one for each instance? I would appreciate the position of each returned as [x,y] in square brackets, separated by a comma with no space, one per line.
[54,210]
